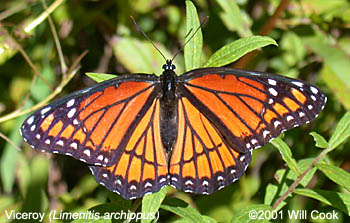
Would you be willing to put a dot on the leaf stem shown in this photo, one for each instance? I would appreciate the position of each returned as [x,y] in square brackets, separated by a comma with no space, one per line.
[299,179]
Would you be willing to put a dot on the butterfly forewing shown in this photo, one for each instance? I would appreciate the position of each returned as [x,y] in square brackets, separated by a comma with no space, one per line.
[250,108]
[92,125]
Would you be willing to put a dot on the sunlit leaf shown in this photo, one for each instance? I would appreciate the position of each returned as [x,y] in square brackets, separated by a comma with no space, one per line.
[233,51]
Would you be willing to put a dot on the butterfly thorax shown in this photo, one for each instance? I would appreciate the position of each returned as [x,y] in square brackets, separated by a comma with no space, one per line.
[168,106]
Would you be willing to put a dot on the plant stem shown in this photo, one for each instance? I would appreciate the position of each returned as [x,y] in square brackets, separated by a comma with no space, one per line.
[298,180]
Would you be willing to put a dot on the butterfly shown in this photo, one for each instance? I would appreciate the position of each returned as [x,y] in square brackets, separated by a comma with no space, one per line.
[195,132]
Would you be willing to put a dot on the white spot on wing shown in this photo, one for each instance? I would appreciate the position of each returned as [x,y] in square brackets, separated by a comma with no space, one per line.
[60,143]
[75,122]
[71,112]
[276,123]
[45,110]
[242,158]
[32,128]
[30,120]
[87,152]
[254,141]
[47,141]
[289,118]
[188,182]
[314,90]
[74,145]
[297,83]
[266,133]
[273,91]
[70,103]
[272,82]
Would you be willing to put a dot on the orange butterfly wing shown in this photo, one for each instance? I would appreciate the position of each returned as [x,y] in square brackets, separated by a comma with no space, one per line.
[142,167]
[226,113]
[251,108]
[92,125]
[202,161]
[114,124]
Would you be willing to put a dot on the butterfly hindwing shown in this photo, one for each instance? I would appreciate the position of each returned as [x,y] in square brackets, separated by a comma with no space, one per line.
[202,161]
[143,166]
[250,108]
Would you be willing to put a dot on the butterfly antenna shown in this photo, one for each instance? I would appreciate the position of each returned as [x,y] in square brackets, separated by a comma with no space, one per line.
[144,34]
[205,20]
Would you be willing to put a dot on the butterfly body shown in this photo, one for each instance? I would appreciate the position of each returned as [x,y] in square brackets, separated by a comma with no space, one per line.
[195,132]
[168,106]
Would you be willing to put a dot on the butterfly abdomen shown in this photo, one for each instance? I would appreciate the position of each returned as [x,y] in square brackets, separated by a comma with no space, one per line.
[168,110]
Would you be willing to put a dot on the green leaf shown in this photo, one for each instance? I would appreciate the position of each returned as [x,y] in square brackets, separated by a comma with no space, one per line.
[7,202]
[270,193]
[291,175]
[152,202]
[336,174]
[287,155]
[23,174]
[193,49]
[40,90]
[183,210]
[83,187]
[36,198]
[233,18]
[303,165]
[342,131]
[320,141]
[334,199]
[9,157]
[339,88]
[233,51]
[247,214]
[336,75]
[99,77]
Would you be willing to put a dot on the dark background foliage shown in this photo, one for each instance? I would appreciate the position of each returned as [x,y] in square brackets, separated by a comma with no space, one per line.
[314,43]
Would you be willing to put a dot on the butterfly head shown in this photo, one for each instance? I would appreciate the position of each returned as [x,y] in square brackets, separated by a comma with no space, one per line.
[169,66]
